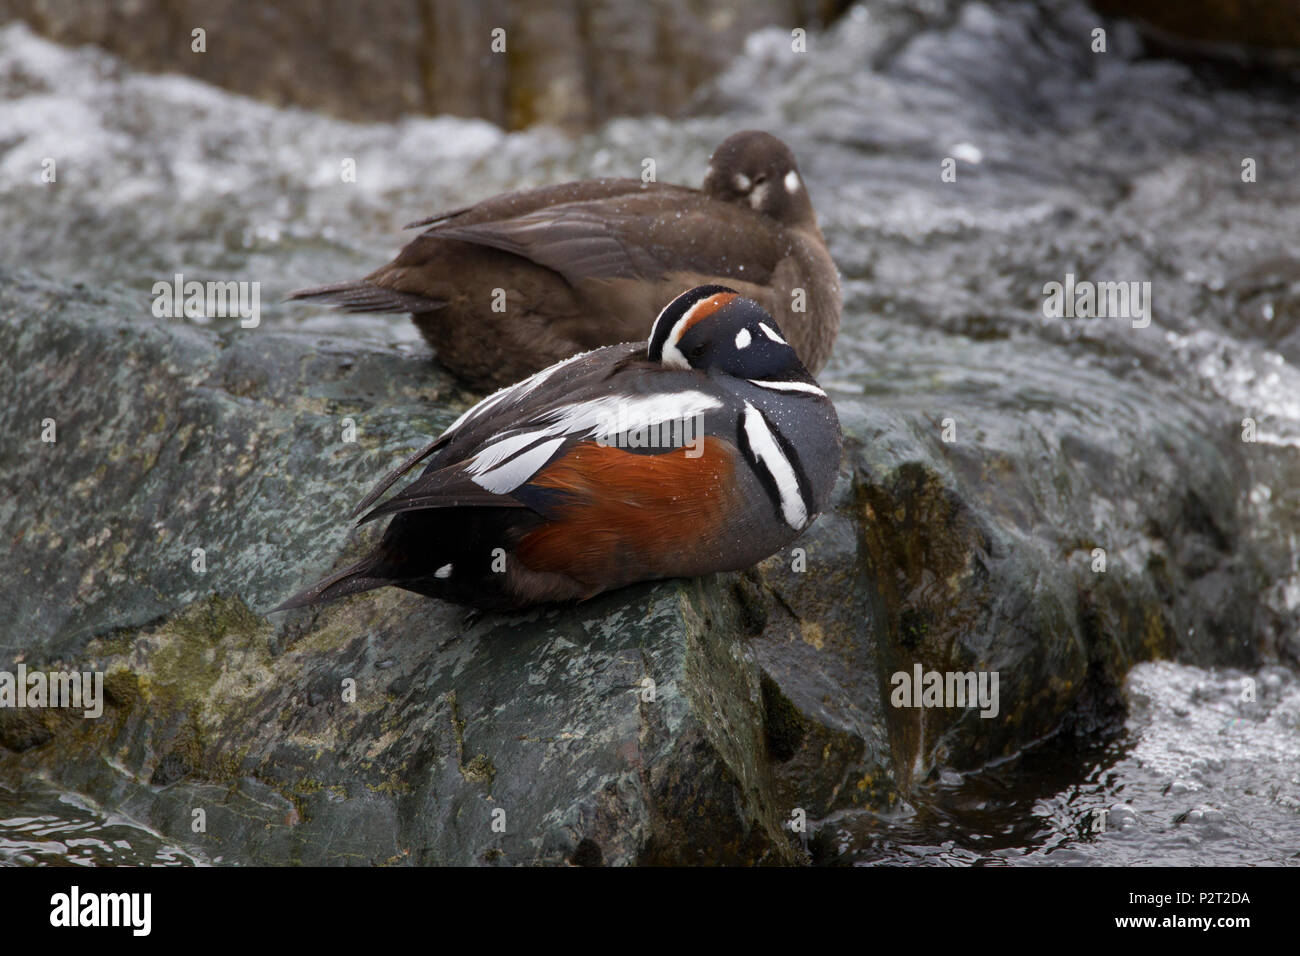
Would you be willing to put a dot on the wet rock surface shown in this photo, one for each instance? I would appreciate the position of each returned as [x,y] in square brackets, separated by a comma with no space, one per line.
[991,453]
[678,722]
[628,729]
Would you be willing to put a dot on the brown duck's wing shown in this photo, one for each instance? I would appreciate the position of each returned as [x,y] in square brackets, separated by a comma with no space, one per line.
[578,243]
[642,235]
[437,218]
[523,201]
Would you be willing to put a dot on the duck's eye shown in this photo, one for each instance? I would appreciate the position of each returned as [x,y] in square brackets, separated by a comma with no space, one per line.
[698,351]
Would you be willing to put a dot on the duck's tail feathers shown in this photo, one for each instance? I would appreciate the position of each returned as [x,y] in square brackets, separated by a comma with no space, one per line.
[362,295]
[362,576]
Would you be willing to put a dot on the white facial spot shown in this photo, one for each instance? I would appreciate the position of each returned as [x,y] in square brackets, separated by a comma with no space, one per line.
[743,338]
[771,333]
[742,183]
[792,183]
[443,572]
[759,196]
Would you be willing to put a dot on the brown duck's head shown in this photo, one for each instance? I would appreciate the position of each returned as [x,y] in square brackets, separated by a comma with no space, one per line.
[756,169]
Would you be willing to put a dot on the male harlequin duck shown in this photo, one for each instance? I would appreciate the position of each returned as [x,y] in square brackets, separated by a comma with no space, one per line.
[588,264]
[706,449]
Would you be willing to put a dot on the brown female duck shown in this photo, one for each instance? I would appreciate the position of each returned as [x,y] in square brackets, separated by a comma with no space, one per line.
[506,287]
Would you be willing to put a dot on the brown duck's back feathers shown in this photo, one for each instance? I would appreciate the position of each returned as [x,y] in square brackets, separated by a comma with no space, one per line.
[638,236]
[521,202]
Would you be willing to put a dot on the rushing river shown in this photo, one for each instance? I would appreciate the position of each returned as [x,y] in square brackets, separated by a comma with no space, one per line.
[1069,161]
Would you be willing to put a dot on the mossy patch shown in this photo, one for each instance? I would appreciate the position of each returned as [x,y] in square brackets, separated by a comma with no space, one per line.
[479,770]
[216,619]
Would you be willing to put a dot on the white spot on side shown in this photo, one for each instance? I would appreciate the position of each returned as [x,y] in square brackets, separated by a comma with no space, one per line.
[443,572]
[967,153]
[741,182]
[769,456]
[778,386]
[743,338]
[505,478]
[792,184]
[771,333]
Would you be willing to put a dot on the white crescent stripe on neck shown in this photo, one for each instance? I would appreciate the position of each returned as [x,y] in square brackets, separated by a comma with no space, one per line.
[769,457]
[779,386]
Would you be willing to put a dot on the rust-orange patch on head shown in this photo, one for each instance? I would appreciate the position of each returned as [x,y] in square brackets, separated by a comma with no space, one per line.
[703,309]
[632,516]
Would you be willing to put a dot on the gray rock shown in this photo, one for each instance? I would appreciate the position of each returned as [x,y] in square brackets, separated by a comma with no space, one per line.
[770,688]
[187,439]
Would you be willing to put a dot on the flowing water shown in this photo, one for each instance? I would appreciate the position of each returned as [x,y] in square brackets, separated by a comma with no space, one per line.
[1198,777]
[40,826]
[1069,161]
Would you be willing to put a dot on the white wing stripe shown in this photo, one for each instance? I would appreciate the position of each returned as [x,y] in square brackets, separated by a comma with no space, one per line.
[606,417]
[513,392]
[499,451]
[505,478]
[504,465]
